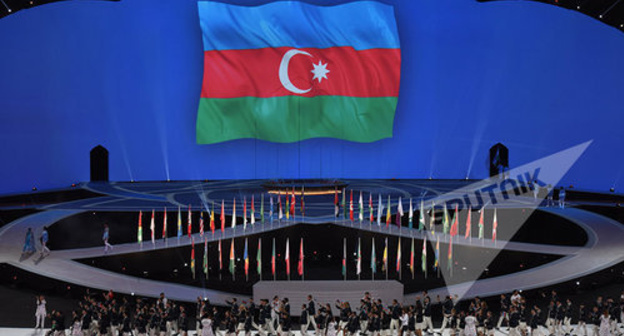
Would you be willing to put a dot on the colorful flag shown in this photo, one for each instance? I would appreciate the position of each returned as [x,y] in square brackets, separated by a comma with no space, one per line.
[399,214]
[384,259]
[292,203]
[370,208]
[220,257]
[253,210]
[273,260]
[271,208]
[179,223]
[450,256]
[206,257]
[246,257]
[421,217]
[412,259]
[344,203]
[232,260]
[436,263]
[193,258]
[262,208]
[201,223]
[301,257]
[287,205]
[445,221]
[164,232]
[358,265]
[361,209]
[356,69]
[234,214]
[494,226]
[481,223]
[222,216]
[287,258]
[455,225]
[336,204]
[259,258]
[152,228]
[189,228]
[351,207]
[140,231]
[432,218]
[344,258]
[424,257]
[389,214]
[411,215]
[244,213]
[398,260]
[373,259]
[379,211]
[279,202]
[212,219]
[468,223]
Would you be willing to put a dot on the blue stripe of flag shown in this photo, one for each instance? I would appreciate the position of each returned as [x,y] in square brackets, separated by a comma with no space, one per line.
[361,25]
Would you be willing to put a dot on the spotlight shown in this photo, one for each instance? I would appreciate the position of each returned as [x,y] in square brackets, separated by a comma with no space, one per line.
[578,7]
[612,190]
[600,16]
[34,188]
[578,283]
[132,293]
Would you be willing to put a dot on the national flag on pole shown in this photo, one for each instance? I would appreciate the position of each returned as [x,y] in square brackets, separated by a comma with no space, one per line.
[267,66]
[384,259]
[193,258]
[153,228]
[421,217]
[189,228]
[445,222]
[336,204]
[436,263]
[388,215]
[262,208]
[279,205]
[206,257]
[212,219]
[379,211]
[246,257]
[399,214]
[494,226]
[468,223]
[411,215]
[292,203]
[287,259]
[358,262]
[253,210]
[220,257]
[455,225]
[164,232]
[179,223]
[370,208]
[201,223]
[344,258]
[423,265]
[481,223]
[412,259]
[222,216]
[432,218]
[302,201]
[344,203]
[287,206]
[259,258]
[232,260]
[351,207]
[234,214]
[361,209]
[301,258]
[373,259]
[244,213]
[271,208]
[273,260]
[398,260]
[450,256]
[140,231]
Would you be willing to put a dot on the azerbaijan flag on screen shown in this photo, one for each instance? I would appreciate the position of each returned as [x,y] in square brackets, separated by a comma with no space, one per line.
[289,71]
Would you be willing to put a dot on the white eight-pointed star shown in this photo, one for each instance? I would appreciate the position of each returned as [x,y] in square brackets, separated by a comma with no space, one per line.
[320,71]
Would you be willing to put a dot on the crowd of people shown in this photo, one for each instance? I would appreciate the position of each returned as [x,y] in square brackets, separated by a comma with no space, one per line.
[111,316]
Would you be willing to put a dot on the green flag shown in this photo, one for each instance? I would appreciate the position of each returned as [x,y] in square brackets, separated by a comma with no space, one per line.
[259,258]
[262,208]
[445,227]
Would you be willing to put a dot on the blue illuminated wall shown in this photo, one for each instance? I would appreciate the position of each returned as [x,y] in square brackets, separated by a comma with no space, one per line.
[127,75]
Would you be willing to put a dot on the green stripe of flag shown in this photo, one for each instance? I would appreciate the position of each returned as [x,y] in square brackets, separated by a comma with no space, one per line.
[294,118]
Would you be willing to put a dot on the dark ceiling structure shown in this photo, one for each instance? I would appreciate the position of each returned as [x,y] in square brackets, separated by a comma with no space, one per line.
[8,7]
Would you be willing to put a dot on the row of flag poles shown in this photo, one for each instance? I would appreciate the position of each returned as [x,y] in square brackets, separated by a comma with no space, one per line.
[449,226]
[385,266]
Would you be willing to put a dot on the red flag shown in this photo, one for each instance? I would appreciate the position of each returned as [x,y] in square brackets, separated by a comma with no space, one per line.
[164,233]
[273,259]
[193,258]
[292,202]
[212,223]
[302,202]
[468,223]
[300,264]
[494,226]
[222,216]
[351,206]
[370,206]
[201,223]
[220,257]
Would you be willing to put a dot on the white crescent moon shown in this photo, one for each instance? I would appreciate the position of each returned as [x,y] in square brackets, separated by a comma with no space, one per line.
[283,71]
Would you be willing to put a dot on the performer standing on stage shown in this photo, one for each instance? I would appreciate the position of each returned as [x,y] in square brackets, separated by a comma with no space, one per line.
[44,241]
[40,313]
[105,238]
